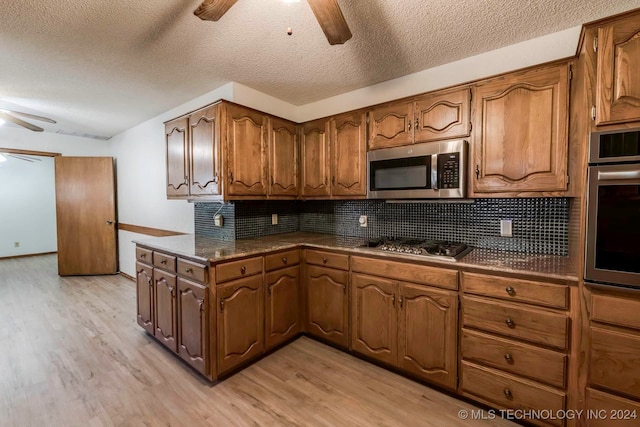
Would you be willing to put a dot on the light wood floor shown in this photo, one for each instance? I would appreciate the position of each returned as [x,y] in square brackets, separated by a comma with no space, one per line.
[72,355]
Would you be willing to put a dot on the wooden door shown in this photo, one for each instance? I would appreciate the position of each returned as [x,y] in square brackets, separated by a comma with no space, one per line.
[443,115]
[246,147]
[177,158]
[166,309]
[618,84]
[204,152]
[240,322]
[144,296]
[282,305]
[314,152]
[349,155]
[391,125]
[374,320]
[427,333]
[193,330]
[327,304]
[521,132]
[283,158]
[86,216]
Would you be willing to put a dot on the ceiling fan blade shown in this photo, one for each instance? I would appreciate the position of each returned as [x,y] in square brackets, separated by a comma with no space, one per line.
[331,20]
[10,118]
[212,10]
[30,116]
[20,158]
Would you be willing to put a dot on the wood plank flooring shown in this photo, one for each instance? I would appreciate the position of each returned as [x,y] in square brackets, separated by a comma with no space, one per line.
[73,355]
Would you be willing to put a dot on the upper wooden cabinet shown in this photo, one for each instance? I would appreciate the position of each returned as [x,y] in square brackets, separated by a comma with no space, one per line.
[177,157]
[314,149]
[391,125]
[283,158]
[442,115]
[204,157]
[520,140]
[349,155]
[246,148]
[618,84]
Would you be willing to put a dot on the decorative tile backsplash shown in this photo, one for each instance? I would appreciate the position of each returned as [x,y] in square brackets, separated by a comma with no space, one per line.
[540,225]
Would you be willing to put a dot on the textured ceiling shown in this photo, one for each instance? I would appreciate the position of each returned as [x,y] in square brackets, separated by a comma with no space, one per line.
[102,66]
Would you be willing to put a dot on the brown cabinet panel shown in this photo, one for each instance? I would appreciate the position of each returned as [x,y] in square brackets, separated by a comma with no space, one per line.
[423,274]
[166,309]
[327,259]
[144,255]
[615,361]
[349,155]
[237,269]
[282,305]
[193,330]
[281,260]
[521,132]
[246,150]
[283,158]
[144,296]
[197,272]
[391,125]
[314,151]
[240,309]
[614,410]
[327,304]
[374,329]
[164,261]
[204,152]
[618,85]
[177,158]
[443,115]
[620,310]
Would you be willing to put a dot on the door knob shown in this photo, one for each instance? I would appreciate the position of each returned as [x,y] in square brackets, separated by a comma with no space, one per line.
[109,222]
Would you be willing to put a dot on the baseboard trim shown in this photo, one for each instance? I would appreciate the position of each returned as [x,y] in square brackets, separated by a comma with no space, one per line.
[149,231]
[28,255]
[126,276]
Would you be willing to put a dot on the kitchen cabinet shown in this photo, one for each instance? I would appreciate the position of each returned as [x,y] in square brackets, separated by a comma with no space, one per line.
[327,304]
[618,68]
[177,158]
[349,155]
[315,160]
[283,158]
[166,309]
[144,296]
[520,140]
[240,306]
[193,326]
[204,152]
[391,125]
[282,317]
[246,151]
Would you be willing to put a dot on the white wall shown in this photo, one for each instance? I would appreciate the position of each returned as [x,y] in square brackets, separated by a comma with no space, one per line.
[13,137]
[27,207]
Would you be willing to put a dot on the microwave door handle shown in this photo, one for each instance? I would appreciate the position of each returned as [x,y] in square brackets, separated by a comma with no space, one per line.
[618,175]
[434,171]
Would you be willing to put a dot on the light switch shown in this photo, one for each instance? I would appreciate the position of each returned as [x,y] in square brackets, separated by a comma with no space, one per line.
[274,219]
[505,228]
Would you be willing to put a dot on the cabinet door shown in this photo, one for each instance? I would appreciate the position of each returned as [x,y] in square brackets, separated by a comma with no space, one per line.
[374,319]
[283,302]
[205,152]
[391,125]
[427,333]
[443,115]
[240,322]
[193,332]
[283,158]
[246,152]
[314,148]
[177,158]
[166,309]
[598,402]
[521,132]
[327,304]
[615,361]
[144,296]
[618,87]
[349,155]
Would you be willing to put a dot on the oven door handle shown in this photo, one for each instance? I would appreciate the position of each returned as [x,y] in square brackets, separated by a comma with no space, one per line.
[618,175]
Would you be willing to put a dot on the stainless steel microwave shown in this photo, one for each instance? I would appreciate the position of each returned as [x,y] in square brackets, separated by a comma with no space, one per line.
[431,170]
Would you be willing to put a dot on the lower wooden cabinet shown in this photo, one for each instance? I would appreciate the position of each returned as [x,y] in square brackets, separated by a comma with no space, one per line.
[240,306]
[607,409]
[166,309]
[144,297]
[193,324]
[327,304]
[282,317]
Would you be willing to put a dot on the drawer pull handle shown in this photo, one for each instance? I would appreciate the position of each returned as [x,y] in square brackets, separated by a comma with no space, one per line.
[324,260]
[189,270]
[508,358]
[143,255]
[163,262]
[284,260]
[243,269]
[508,394]
[510,290]
[510,323]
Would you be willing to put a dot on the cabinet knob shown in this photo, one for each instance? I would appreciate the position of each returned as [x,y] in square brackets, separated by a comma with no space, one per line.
[215,178]
[409,125]
[143,255]
[344,289]
[510,323]
[163,262]
[508,394]
[477,172]
[401,302]
[508,358]
[417,125]
[221,306]
[393,300]
[230,177]
[189,270]
[324,260]
[510,290]
[284,260]
[243,269]
[269,290]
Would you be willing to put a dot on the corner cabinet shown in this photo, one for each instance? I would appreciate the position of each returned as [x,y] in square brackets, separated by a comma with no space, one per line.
[315,161]
[349,155]
[283,158]
[618,84]
[520,140]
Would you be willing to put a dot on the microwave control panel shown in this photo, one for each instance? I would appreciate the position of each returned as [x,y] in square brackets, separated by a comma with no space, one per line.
[449,170]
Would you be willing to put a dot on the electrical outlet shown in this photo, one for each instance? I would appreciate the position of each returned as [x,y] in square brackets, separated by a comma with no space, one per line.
[274,219]
[16,244]
[362,220]
[218,220]
[506,229]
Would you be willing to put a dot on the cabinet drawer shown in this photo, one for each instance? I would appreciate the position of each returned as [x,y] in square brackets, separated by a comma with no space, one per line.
[327,259]
[626,412]
[539,364]
[237,269]
[164,261]
[510,391]
[192,270]
[416,273]
[518,321]
[616,310]
[615,361]
[281,260]
[545,294]
[144,255]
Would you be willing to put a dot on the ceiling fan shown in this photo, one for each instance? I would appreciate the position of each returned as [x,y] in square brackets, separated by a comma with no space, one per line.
[11,116]
[327,13]
[24,157]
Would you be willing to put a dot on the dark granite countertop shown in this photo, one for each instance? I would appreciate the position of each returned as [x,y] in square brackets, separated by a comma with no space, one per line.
[209,250]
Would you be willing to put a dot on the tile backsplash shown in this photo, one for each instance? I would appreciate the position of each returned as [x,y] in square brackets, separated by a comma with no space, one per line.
[540,225]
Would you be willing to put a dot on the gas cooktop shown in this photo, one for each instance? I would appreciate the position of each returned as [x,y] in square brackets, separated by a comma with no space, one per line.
[449,251]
